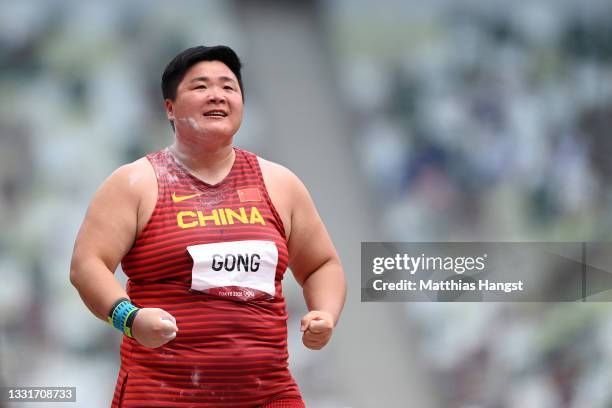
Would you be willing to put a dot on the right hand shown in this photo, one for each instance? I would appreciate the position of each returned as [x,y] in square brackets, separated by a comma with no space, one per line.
[154,327]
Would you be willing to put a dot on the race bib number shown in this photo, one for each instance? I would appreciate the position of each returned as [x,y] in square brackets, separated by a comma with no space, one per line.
[239,270]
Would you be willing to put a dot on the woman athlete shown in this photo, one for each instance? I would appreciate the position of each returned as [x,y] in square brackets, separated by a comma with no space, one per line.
[205,232]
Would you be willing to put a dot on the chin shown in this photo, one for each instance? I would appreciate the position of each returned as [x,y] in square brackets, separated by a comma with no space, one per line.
[214,135]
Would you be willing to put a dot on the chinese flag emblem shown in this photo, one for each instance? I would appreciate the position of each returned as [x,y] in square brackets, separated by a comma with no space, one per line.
[249,194]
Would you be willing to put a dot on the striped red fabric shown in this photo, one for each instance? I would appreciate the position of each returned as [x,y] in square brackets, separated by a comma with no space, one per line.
[227,353]
[285,403]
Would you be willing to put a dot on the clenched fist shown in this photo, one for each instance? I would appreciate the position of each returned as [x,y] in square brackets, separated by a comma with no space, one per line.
[317,327]
[154,327]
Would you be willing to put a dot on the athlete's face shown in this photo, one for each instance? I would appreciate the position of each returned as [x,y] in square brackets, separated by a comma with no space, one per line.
[208,101]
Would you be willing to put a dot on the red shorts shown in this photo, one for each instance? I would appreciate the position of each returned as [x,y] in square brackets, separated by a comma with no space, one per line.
[285,403]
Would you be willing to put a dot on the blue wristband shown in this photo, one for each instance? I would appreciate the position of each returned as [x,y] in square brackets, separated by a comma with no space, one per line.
[120,314]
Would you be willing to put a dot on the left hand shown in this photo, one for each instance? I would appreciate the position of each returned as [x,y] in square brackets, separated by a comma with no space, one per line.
[317,327]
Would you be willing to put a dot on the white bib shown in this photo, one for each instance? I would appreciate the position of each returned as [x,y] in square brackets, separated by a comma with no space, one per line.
[240,270]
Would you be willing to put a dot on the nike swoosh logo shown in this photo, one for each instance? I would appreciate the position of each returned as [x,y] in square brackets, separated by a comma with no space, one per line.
[178,199]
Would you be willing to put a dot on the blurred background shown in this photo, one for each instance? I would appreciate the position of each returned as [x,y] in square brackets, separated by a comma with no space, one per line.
[439,120]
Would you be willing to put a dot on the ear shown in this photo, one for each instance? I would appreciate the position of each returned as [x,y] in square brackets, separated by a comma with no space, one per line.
[168,104]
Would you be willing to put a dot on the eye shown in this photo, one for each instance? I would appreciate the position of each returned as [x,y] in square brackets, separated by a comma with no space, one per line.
[228,87]
[200,87]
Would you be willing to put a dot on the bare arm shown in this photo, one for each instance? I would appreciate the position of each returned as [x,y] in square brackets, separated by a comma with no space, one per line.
[313,258]
[106,235]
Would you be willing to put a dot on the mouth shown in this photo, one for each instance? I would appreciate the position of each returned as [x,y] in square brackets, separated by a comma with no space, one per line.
[216,113]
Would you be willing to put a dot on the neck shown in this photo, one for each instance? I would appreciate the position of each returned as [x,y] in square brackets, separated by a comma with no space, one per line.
[209,163]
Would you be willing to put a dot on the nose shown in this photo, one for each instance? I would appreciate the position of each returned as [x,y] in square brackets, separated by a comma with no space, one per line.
[215,95]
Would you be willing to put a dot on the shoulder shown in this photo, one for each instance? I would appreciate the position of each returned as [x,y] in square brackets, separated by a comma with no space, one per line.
[276,175]
[128,184]
[133,176]
[285,189]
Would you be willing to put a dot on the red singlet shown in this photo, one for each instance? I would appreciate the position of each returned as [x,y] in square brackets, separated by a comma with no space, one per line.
[213,256]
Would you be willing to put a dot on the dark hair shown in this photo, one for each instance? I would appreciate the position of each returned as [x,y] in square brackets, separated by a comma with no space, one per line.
[178,67]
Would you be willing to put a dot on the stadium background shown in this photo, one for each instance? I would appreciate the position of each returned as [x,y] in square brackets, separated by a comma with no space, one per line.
[408,120]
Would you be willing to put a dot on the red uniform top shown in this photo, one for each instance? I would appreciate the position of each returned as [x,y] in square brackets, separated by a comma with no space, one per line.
[213,256]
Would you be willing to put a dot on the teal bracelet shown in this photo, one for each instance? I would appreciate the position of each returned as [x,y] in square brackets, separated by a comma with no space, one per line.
[122,316]
[127,327]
